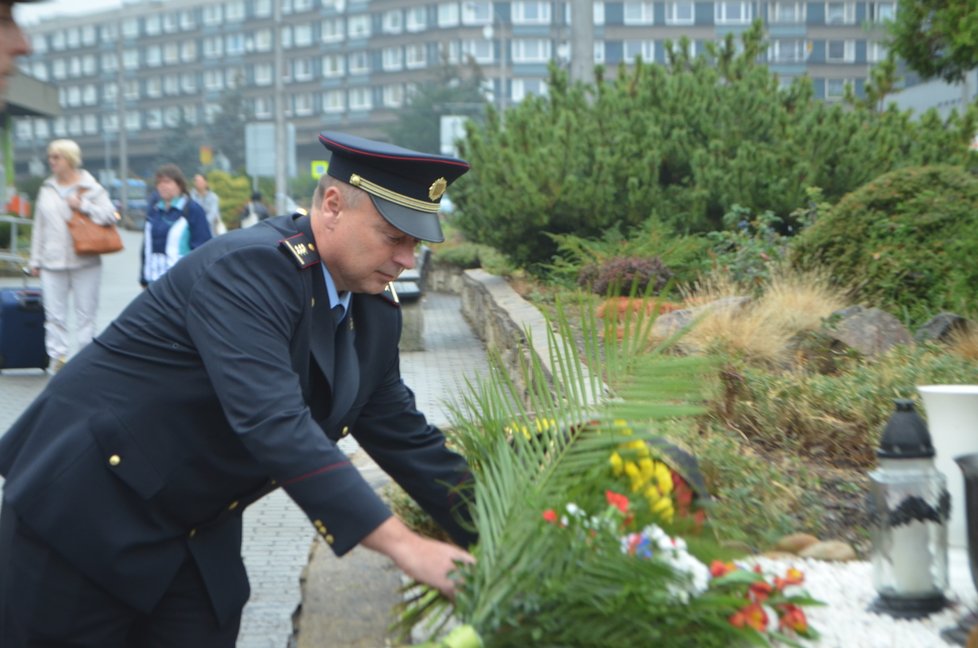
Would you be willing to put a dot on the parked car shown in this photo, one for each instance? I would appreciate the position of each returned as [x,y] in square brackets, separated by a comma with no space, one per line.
[134,215]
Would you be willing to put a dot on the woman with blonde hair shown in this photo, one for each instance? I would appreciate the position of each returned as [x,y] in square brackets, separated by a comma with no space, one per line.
[53,257]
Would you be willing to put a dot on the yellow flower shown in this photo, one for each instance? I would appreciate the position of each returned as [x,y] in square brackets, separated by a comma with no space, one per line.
[663,477]
[617,466]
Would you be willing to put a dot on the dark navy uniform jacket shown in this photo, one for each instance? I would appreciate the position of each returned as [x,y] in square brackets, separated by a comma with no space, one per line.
[219,383]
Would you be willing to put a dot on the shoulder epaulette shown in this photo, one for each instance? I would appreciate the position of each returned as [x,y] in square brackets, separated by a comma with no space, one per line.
[390,296]
[301,250]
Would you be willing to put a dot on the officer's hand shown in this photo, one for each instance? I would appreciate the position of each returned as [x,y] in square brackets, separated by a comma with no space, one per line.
[423,559]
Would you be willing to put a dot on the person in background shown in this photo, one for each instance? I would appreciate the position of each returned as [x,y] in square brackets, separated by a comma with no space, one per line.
[175,225]
[254,212]
[211,203]
[64,273]
[235,374]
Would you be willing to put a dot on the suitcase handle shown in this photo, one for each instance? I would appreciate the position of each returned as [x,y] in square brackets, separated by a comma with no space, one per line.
[30,299]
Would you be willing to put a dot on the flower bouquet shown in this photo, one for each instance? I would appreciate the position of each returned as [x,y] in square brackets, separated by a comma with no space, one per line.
[581,524]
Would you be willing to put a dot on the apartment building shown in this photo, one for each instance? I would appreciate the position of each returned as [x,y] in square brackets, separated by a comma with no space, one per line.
[351,64]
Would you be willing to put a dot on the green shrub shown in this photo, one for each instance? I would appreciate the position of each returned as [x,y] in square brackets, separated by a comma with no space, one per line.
[904,242]
[837,418]
[472,255]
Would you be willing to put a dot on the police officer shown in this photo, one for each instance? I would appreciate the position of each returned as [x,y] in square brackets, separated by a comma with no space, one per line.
[232,375]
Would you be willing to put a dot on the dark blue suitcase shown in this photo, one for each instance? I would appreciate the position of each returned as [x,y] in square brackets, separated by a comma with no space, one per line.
[22,329]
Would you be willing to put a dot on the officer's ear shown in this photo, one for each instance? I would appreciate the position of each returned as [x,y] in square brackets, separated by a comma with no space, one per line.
[333,202]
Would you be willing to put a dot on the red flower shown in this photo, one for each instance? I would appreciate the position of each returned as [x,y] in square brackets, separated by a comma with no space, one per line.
[793,619]
[719,568]
[759,591]
[752,615]
[791,577]
[550,516]
[617,500]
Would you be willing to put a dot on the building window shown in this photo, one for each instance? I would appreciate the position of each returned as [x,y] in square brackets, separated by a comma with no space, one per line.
[480,49]
[598,13]
[130,59]
[263,108]
[131,90]
[302,36]
[188,51]
[334,101]
[638,13]
[88,35]
[876,52]
[188,82]
[331,30]
[75,125]
[190,114]
[171,85]
[448,14]
[171,22]
[788,50]
[301,5]
[417,19]
[840,51]
[171,116]
[40,42]
[109,61]
[234,11]
[392,22]
[72,38]
[359,63]
[212,15]
[416,56]
[171,53]
[523,88]
[110,94]
[58,41]
[211,111]
[39,70]
[449,51]
[358,26]
[263,8]
[302,104]
[333,65]
[154,119]
[110,123]
[88,65]
[393,59]
[882,11]
[58,69]
[89,95]
[302,69]
[213,47]
[732,13]
[187,20]
[393,96]
[153,88]
[263,40]
[679,13]
[360,99]
[531,13]
[835,89]
[234,44]
[213,80]
[263,74]
[527,50]
[152,25]
[639,48]
[477,13]
[786,12]
[598,51]
[130,28]
[133,121]
[840,13]
[72,96]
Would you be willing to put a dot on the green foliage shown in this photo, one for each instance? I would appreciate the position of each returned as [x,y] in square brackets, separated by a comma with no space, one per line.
[839,416]
[937,38]
[453,90]
[683,142]
[683,254]
[233,191]
[748,246]
[905,242]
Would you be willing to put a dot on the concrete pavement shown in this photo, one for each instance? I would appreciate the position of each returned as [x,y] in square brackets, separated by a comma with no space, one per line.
[278,537]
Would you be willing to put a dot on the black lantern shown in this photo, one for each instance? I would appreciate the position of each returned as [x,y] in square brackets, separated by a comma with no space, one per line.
[909,507]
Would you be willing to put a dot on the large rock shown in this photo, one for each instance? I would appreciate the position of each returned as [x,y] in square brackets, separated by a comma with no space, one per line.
[868,331]
[668,324]
[941,327]
[831,550]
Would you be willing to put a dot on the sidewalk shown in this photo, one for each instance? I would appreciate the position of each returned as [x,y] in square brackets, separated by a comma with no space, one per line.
[278,537]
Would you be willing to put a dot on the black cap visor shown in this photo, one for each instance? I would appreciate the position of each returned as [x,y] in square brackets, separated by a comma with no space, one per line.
[424,226]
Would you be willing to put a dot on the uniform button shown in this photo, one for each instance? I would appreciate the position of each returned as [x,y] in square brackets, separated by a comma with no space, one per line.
[329,538]
[346,430]
[233,505]
[192,533]
[313,302]
[115,460]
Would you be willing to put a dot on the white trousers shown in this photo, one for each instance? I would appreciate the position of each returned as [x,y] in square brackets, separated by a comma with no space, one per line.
[83,285]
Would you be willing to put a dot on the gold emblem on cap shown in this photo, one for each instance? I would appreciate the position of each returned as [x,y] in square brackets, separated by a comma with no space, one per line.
[437,188]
